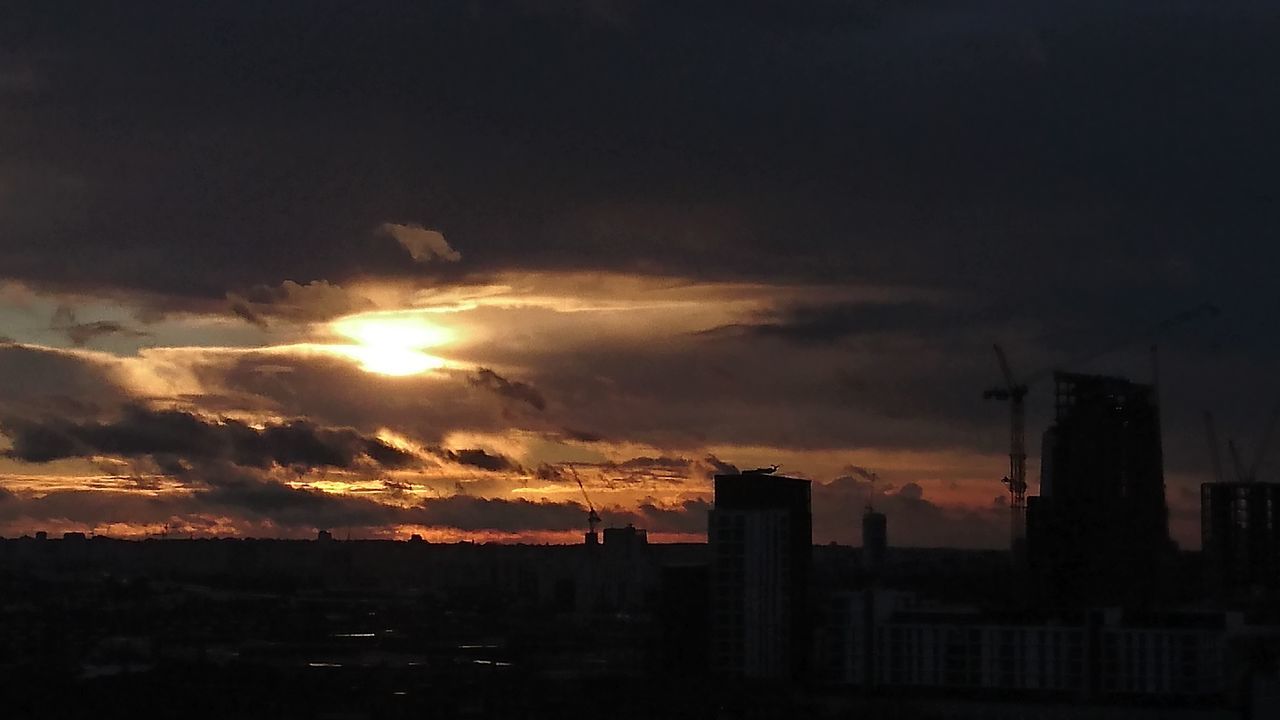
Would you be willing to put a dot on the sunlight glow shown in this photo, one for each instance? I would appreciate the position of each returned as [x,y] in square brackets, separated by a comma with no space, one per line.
[392,343]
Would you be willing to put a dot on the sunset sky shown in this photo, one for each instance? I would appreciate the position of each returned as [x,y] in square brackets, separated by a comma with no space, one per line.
[394,268]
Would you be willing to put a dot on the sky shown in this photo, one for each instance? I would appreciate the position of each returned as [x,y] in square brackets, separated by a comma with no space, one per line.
[394,268]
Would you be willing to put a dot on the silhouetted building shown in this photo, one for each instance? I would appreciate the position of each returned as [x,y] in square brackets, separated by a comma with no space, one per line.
[622,571]
[1240,535]
[1100,529]
[761,542]
[875,540]
[324,536]
[625,539]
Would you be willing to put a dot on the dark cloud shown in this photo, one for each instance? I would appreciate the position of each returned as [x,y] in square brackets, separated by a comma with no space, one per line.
[228,502]
[242,492]
[582,435]
[648,471]
[689,516]
[244,496]
[868,475]
[179,435]
[836,322]
[27,513]
[548,472]
[475,513]
[295,302]
[648,463]
[332,391]
[243,310]
[475,457]
[966,142]
[41,380]
[510,389]
[716,466]
[81,333]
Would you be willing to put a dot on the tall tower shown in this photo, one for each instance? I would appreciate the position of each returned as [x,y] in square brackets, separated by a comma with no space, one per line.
[875,540]
[1100,528]
[761,539]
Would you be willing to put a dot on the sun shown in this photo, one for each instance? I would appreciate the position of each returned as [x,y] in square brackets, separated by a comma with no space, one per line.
[392,343]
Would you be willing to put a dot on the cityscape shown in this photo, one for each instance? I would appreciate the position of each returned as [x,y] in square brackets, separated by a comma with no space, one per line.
[1091,612]
[728,360]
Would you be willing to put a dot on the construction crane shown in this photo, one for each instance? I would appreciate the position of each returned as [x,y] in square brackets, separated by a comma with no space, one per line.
[1241,474]
[593,518]
[1244,473]
[1215,454]
[1014,391]
[1015,394]
[1264,444]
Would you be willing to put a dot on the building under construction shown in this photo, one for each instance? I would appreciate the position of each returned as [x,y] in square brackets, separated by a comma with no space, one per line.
[1099,531]
[1240,536]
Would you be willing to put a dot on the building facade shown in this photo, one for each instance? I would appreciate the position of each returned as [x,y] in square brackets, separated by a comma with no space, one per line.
[1240,536]
[760,532]
[885,639]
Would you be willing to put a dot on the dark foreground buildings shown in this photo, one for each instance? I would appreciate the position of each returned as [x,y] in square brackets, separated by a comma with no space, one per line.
[1099,531]
[761,546]
[1240,537]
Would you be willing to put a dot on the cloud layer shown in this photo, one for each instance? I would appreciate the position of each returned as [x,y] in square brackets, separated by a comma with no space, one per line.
[141,432]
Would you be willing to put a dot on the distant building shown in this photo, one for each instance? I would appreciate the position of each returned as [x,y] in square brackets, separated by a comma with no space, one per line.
[625,539]
[623,571]
[1240,536]
[761,541]
[1100,528]
[875,540]
[324,536]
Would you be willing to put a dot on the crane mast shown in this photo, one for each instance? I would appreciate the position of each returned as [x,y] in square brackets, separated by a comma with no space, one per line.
[1015,394]
[593,518]
[1264,444]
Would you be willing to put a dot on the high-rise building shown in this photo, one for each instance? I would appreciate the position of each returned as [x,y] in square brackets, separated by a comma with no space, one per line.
[761,539]
[1100,527]
[875,540]
[1240,535]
